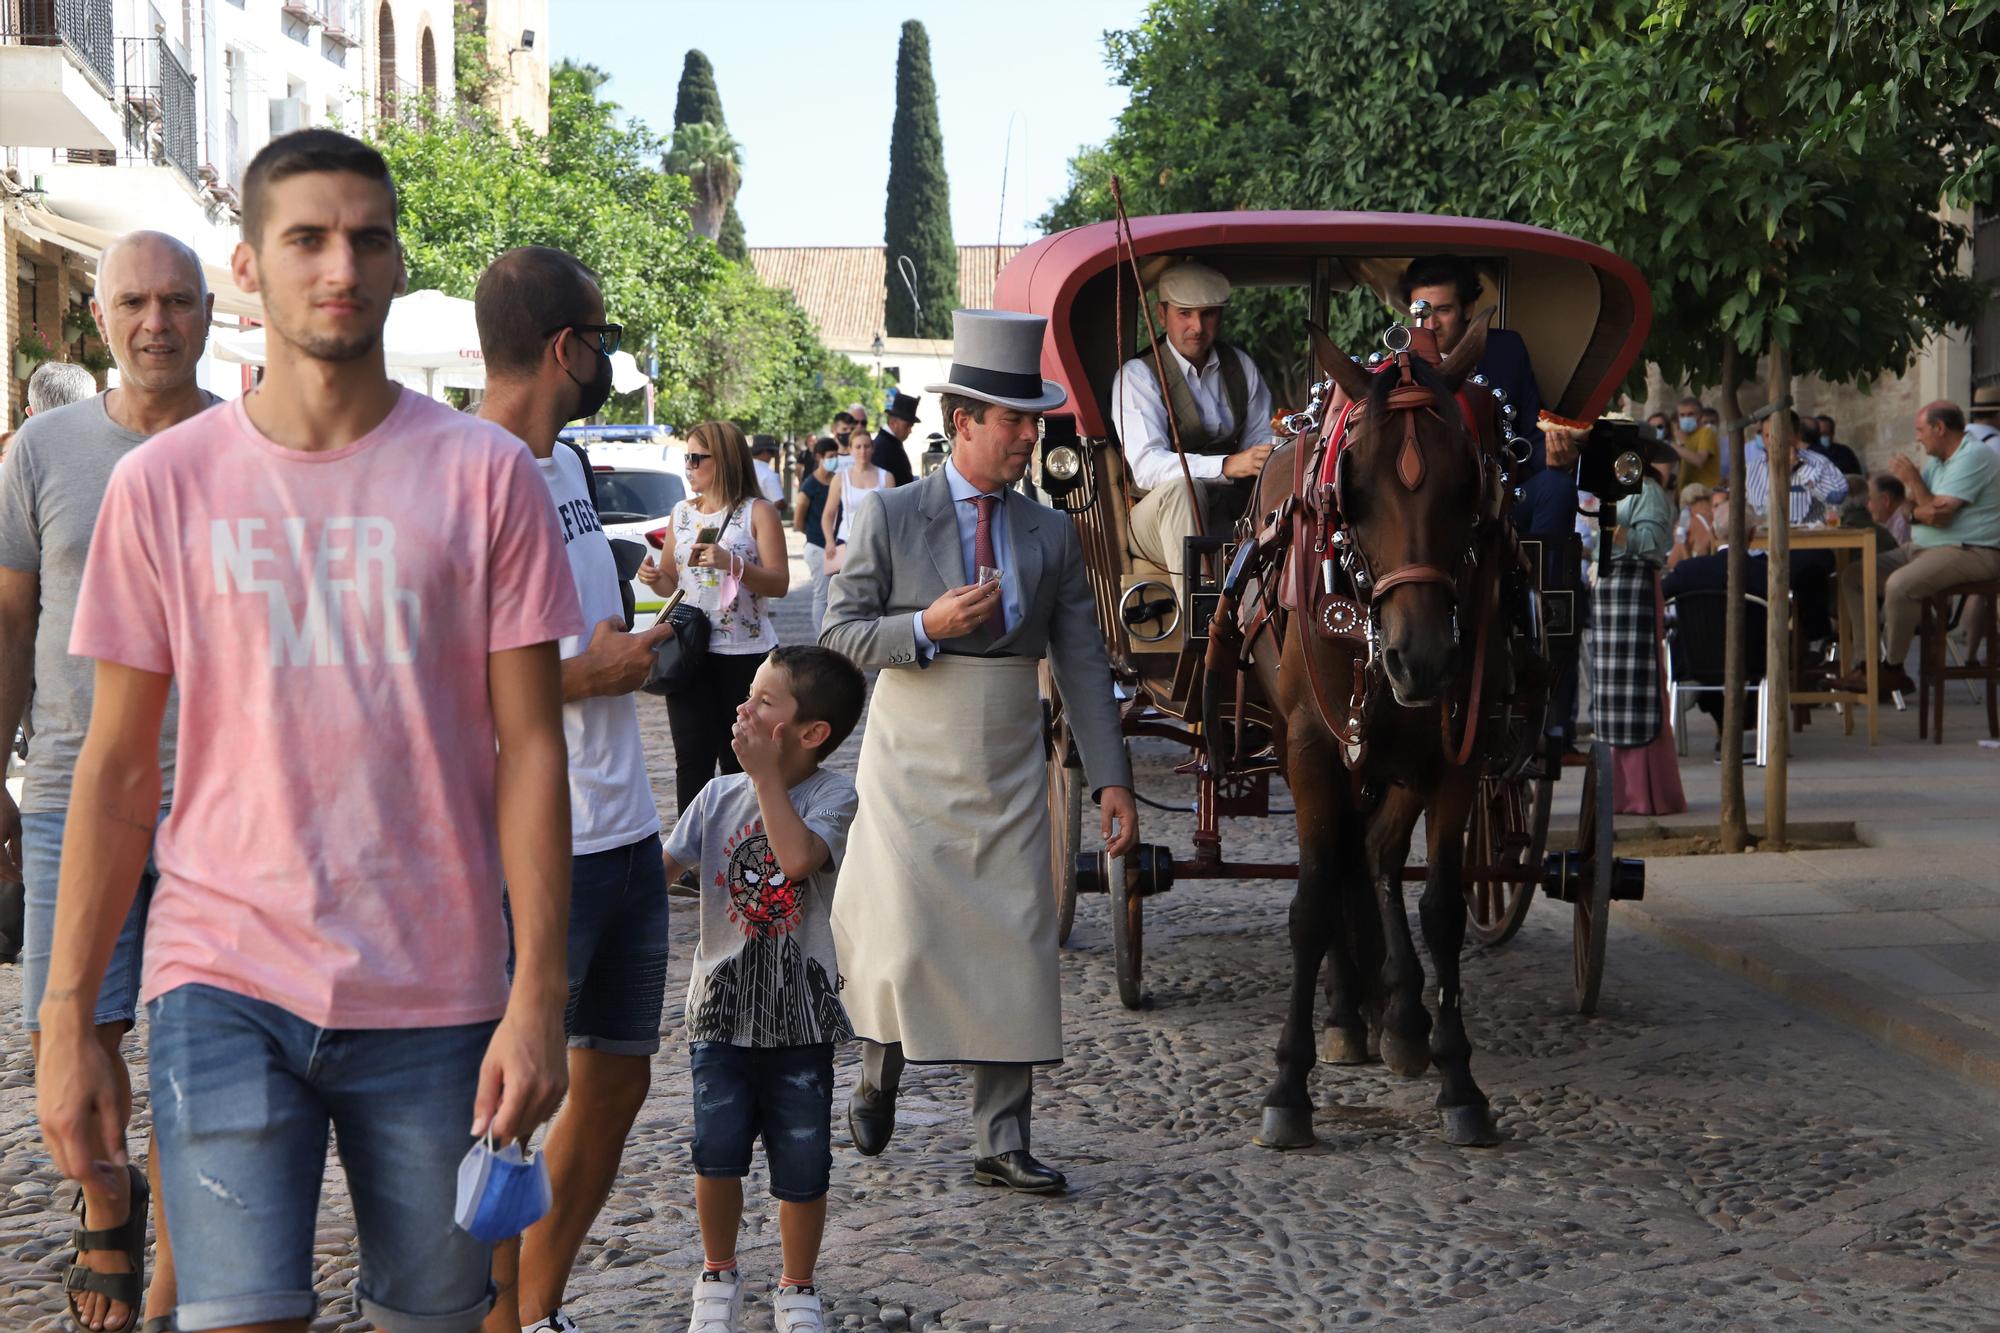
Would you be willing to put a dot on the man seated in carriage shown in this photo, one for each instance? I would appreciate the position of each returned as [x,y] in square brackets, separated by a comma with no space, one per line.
[1452,287]
[1221,405]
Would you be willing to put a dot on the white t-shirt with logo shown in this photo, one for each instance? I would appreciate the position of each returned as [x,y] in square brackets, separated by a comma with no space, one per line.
[610,796]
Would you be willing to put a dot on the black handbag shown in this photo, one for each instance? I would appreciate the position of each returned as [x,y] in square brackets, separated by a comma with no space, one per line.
[678,660]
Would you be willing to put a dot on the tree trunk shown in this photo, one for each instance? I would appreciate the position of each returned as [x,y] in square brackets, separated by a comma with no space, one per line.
[706,215]
[1735,819]
[1778,659]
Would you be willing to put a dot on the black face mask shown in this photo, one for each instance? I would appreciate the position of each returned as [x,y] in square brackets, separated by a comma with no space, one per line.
[592,392]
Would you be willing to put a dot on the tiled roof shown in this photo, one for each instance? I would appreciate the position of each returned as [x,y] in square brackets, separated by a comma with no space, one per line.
[841,286]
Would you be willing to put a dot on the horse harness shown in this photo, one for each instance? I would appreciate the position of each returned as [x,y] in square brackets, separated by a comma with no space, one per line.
[1321,568]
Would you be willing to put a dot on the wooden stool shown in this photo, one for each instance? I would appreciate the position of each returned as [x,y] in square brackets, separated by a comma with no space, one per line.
[1941,613]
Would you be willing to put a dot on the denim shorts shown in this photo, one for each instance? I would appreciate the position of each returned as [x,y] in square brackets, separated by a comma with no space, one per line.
[41,870]
[617,949]
[785,1094]
[243,1094]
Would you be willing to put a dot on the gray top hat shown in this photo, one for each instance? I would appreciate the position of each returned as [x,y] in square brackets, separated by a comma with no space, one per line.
[996,357]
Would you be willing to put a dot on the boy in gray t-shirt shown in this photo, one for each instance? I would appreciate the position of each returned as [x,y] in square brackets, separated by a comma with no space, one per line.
[763,1004]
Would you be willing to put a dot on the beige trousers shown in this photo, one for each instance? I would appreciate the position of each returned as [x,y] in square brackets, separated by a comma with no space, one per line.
[1163,520]
[1909,574]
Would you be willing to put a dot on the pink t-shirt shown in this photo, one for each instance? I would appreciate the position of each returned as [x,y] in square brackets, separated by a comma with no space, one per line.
[332,846]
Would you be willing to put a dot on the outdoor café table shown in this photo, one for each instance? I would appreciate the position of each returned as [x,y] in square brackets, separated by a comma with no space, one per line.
[1844,542]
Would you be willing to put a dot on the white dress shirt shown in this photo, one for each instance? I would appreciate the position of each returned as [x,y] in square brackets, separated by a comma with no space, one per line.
[965,509]
[1140,415]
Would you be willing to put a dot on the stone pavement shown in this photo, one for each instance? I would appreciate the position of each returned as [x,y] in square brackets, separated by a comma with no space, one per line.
[1702,1155]
[1900,938]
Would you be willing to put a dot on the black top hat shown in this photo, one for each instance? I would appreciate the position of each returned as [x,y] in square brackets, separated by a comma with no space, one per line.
[902,406]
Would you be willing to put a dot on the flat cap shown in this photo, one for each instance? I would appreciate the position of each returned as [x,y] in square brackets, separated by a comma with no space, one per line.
[1193,287]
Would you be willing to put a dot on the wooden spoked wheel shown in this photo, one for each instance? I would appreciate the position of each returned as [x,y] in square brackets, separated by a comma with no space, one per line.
[1592,903]
[1507,832]
[1128,933]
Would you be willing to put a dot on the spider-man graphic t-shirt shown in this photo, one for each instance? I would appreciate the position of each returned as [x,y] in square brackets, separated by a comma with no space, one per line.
[764,972]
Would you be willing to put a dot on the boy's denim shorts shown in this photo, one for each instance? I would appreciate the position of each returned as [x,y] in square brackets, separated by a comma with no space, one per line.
[784,1094]
[243,1094]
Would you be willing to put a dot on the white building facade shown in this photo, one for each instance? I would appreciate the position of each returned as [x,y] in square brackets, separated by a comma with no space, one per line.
[120,114]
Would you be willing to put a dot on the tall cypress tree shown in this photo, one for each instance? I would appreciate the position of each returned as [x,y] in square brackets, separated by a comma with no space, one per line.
[918,219]
[698,101]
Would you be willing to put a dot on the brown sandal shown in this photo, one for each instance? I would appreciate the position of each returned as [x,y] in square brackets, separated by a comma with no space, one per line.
[128,1237]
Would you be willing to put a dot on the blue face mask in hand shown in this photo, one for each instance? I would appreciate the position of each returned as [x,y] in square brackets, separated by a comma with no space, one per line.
[500,1193]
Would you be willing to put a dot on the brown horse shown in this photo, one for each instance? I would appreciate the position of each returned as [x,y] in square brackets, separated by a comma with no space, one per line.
[1415,530]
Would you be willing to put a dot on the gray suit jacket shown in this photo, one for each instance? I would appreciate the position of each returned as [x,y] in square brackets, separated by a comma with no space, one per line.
[903,554]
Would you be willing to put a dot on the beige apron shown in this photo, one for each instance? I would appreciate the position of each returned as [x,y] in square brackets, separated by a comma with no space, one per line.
[944,917]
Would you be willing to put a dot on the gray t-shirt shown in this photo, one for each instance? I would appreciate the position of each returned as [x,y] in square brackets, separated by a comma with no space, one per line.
[51,487]
[764,972]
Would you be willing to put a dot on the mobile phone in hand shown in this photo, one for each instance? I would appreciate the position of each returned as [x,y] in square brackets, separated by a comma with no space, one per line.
[673,600]
[707,535]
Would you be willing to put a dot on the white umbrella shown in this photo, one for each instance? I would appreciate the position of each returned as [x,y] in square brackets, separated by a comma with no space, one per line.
[430,340]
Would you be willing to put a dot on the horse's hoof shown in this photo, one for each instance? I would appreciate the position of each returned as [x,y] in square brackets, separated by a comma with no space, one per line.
[1286,1127]
[1469,1126]
[1404,1056]
[1340,1047]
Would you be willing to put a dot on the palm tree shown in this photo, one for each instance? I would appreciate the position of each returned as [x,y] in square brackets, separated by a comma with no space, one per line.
[713,163]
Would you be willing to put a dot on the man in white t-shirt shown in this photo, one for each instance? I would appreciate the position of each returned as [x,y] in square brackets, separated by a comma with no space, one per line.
[536,382]
[763,453]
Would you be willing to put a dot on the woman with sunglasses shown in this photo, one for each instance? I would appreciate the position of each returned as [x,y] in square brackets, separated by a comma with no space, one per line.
[847,490]
[725,547]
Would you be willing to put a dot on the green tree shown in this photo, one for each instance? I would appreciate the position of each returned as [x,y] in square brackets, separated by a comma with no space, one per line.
[712,163]
[757,360]
[699,101]
[917,222]
[1255,104]
[591,187]
[1778,172]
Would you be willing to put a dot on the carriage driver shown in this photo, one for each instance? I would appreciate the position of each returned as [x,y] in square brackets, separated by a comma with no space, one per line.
[1218,400]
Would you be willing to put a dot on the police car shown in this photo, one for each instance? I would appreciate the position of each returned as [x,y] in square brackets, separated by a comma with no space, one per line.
[638,475]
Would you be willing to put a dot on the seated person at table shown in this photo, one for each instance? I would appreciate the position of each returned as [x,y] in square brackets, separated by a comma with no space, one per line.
[1816,484]
[1218,401]
[1710,573]
[1889,505]
[1954,538]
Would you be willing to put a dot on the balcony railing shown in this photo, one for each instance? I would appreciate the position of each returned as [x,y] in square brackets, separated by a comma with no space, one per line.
[341,21]
[161,124]
[84,26]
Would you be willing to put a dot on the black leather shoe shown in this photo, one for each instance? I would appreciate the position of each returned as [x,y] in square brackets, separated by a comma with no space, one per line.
[871,1119]
[1020,1172]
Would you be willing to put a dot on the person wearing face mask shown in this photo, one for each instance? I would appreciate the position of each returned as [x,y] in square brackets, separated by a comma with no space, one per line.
[1695,444]
[547,345]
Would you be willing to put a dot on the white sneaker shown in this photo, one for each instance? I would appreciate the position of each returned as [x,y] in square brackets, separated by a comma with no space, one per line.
[798,1311]
[718,1301]
[557,1322]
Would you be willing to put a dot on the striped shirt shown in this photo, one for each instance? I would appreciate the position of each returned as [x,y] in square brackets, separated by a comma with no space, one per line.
[1816,485]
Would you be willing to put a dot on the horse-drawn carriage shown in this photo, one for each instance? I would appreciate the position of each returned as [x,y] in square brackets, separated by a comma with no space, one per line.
[1296,572]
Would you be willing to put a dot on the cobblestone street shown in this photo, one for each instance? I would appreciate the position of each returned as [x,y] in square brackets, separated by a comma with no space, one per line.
[1700,1155]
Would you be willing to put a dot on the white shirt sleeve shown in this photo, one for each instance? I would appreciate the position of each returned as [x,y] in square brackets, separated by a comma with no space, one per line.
[1140,418]
[1258,406]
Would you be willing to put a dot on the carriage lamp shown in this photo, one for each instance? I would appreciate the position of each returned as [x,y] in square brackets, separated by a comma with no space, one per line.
[1062,463]
[1628,468]
[1064,477]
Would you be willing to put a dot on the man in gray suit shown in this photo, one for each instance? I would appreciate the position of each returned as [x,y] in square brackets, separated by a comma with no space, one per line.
[944,917]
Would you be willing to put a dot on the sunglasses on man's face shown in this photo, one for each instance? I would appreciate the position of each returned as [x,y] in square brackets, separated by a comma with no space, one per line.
[608,335]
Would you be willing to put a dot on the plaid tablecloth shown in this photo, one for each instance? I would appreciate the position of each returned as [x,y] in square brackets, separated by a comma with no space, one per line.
[1625,648]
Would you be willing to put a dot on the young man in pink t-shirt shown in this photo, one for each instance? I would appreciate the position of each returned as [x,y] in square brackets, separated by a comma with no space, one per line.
[359,594]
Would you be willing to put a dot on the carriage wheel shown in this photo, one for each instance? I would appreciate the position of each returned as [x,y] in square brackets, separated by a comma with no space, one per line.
[1065,835]
[1593,889]
[1128,939]
[1509,828]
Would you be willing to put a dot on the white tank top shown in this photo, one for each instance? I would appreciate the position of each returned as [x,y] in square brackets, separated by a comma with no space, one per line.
[744,625]
[850,496]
